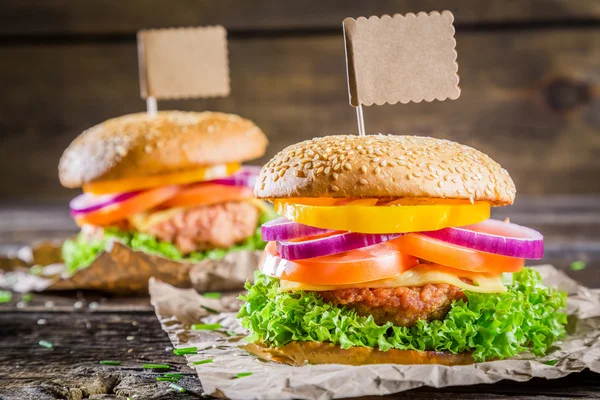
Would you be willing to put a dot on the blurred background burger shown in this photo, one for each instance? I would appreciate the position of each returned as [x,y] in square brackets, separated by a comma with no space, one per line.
[170,185]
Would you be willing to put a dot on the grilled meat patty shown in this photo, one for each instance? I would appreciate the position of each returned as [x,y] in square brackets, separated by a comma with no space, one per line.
[402,306]
[206,227]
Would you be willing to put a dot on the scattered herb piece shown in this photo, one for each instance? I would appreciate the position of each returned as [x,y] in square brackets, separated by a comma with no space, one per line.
[177,388]
[36,270]
[578,265]
[210,310]
[206,327]
[156,366]
[166,379]
[231,333]
[27,297]
[168,375]
[185,350]
[212,295]
[46,344]
[550,362]
[202,362]
[243,374]
[110,362]
[5,296]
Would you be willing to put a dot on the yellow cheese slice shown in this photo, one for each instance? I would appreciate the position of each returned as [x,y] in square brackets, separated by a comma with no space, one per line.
[417,276]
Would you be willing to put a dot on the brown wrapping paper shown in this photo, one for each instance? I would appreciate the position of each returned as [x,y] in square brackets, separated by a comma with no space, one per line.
[121,270]
[178,308]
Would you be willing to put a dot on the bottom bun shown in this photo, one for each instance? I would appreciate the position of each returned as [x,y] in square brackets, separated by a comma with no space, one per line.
[302,353]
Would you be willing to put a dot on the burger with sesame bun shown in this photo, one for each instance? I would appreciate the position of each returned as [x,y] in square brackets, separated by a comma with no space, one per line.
[170,184]
[385,253]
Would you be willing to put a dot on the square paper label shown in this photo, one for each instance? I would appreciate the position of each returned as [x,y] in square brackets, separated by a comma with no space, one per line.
[183,62]
[401,58]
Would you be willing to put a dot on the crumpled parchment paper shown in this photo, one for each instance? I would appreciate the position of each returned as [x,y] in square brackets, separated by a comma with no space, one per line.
[177,309]
[119,269]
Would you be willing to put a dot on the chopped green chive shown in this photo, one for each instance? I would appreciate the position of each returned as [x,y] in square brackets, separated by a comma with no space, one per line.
[578,265]
[110,362]
[177,388]
[185,350]
[178,376]
[27,297]
[5,296]
[212,295]
[166,379]
[231,333]
[243,374]
[210,310]
[206,327]
[550,362]
[202,362]
[46,344]
[156,366]
[36,270]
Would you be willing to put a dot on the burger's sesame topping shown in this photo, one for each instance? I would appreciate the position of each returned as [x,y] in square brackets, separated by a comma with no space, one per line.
[451,170]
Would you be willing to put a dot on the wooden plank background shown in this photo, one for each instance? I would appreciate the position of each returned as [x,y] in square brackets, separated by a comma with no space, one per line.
[530,75]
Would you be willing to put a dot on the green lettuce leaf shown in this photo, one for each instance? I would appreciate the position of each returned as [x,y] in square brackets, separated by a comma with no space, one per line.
[529,316]
[80,252]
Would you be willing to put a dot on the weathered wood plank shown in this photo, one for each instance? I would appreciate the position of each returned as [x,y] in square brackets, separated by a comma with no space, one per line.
[530,100]
[81,340]
[35,17]
[71,371]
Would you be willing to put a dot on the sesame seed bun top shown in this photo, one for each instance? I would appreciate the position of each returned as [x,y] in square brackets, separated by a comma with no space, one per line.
[140,145]
[376,166]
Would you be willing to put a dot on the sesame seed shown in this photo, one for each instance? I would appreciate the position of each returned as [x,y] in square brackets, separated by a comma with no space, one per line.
[348,166]
[300,173]
[335,188]
[383,163]
[327,170]
[363,181]
[319,170]
[337,167]
[363,169]
[335,175]
[377,170]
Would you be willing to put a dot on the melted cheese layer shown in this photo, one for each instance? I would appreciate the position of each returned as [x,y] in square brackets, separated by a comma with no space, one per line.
[420,275]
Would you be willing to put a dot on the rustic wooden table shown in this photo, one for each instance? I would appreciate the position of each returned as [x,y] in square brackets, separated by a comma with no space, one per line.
[88,327]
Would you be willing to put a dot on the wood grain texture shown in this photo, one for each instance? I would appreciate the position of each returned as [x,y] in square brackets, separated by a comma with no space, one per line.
[529,100]
[35,17]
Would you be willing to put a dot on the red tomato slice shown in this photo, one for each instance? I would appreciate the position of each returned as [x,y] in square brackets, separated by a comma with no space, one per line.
[454,256]
[141,202]
[208,193]
[362,265]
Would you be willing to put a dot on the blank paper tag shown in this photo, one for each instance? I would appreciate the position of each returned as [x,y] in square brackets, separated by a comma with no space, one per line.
[401,58]
[183,62]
